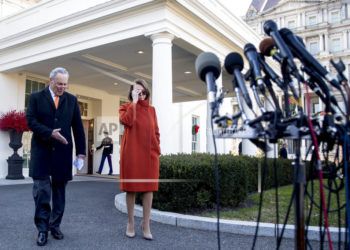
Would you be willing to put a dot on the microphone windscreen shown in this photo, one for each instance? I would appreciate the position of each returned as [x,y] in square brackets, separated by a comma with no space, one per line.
[207,62]
[266,45]
[284,32]
[232,61]
[269,26]
[249,47]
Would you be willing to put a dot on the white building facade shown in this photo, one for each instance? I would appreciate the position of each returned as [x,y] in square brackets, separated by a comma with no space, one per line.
[323,25]
[105,45]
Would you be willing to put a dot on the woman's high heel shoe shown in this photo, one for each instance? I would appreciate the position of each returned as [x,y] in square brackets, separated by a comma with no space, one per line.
[146,236]
[129,233]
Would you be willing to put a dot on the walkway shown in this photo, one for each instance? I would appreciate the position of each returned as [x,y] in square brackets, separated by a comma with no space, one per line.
[91,221]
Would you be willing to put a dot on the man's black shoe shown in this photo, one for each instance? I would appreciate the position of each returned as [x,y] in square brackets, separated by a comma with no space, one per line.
[42,239]
[56,233]
[110,174]
[98,172]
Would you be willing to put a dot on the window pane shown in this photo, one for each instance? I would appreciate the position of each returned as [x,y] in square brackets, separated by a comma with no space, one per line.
[35,86]
[28,86]
[335,17]
[312,20]
[291,24]
[314,48]
[26,100]
[336,45]
[41,85]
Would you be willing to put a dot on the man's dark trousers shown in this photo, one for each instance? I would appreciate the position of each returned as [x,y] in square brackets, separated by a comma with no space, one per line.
[103,162]
[45,218]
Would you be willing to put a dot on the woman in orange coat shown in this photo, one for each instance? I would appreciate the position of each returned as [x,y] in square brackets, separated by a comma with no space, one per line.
[139,154]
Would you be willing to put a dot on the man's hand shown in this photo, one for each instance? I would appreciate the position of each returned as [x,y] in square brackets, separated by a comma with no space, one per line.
[57,136]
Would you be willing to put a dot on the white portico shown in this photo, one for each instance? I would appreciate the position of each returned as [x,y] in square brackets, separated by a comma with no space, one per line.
[105,45]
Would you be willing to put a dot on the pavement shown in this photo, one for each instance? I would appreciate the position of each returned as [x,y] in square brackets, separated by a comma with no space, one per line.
[91,221]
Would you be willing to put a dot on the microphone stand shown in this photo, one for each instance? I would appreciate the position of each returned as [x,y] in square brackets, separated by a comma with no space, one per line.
[286,79]
[299,169]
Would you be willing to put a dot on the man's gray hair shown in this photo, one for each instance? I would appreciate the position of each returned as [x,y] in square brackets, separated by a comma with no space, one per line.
[58,70]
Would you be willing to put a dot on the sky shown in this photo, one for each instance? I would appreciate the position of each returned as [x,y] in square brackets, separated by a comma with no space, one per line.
[237,7]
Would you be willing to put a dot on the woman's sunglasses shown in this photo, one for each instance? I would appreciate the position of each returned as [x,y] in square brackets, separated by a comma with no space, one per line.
[142,93]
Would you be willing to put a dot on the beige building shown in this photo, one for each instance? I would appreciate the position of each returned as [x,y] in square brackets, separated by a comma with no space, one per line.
[324,26]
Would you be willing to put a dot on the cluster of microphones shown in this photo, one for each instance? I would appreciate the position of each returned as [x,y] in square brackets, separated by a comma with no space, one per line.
[294,69]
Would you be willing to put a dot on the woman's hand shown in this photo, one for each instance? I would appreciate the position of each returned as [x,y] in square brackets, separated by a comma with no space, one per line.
[135,95]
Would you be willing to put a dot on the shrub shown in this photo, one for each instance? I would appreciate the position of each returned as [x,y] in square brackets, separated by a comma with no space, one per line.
[14,120]
[188,180]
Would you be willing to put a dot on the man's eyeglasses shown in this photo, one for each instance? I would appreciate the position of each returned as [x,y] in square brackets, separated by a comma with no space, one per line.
[142,93]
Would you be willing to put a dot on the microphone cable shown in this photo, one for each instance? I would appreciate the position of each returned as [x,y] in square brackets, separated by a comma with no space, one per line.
[260,198]
[217,182]
[345,162]
[276,193]
[319,167]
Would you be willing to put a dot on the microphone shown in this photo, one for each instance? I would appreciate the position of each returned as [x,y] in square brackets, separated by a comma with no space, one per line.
[270,28]
[233,65]
[321,84]
[208,69]
[305,57]
[267,47]
[252,55]
[270,72]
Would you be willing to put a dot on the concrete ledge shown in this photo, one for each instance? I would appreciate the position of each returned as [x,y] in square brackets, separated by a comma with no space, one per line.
[227,226]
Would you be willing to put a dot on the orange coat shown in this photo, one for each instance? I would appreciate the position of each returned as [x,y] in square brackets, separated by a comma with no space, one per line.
[139,152]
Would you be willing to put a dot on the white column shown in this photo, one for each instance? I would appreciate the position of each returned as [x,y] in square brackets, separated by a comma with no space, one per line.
[345,39]
[303,19]
[325,15]
[321,45]
[299,24]
[260,28]
[162,96]
[326,43]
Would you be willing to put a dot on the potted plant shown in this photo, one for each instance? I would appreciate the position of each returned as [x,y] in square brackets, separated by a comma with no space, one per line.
[15,123]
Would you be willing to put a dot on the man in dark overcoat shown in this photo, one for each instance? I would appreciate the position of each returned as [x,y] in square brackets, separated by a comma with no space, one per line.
[52,114]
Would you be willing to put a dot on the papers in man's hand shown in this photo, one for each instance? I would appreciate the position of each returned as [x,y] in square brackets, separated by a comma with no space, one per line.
[78,163]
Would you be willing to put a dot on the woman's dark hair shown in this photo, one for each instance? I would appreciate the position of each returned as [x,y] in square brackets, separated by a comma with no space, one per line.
[144,84]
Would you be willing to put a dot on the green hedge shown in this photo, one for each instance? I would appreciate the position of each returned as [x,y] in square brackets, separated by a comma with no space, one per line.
[188,181]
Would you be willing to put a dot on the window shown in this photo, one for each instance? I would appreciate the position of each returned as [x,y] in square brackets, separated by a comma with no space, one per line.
[313,47]
[291,24]
[335,44]
[334,17]
[312,20]
[195,134]
[83,106]
[31,87]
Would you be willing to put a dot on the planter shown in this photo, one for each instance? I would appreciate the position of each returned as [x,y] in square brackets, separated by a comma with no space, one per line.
[15,161]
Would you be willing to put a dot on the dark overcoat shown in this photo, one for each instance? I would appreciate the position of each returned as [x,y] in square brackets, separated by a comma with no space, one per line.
[49,157]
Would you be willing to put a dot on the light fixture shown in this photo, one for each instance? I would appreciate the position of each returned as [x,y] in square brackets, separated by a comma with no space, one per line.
[188,72]
[140,52]
[116,84]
